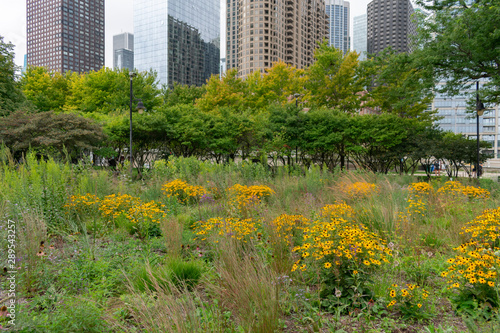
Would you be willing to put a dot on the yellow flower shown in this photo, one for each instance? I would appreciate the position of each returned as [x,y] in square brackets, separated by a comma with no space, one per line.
[328,265]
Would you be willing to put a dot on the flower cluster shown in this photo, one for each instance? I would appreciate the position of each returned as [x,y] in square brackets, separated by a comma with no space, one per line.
[474,268]
[484,229]
[457,190]
[145,212]
[337,210]
[409,299]
[420,189]
[340,243]
[231,227]
[112,206]
[183,191]
[418,198]
[286,226]
[359,190]
[81,203]
[243,197]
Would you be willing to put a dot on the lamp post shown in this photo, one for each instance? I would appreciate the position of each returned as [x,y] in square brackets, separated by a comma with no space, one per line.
[479,112]
[296,99]
[140,108]
[296,95]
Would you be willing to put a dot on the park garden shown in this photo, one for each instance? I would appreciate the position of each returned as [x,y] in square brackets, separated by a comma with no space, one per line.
[197,246]
[295,200]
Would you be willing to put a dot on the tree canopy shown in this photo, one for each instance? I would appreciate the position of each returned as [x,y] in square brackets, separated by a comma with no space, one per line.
[460,43]
[11,96]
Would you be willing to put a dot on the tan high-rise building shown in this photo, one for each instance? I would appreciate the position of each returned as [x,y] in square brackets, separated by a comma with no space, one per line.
[261,32]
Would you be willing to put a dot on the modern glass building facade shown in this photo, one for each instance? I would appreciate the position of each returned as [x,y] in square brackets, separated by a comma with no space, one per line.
[179,39]
[338,12]
[457,120]
[359,36]
[123,51]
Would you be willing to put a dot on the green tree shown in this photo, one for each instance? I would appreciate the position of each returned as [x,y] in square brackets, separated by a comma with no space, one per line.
[327,137]
[47,91]
[460,43]
[334,80]
[181,94]
[11,96]
[461,153]
[398,85]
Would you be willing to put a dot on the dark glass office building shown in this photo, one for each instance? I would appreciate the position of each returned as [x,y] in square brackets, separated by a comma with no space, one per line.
[389,23]
[65,35]
[179,39]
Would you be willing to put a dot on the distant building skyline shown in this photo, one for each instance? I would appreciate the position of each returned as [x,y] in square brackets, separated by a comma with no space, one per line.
[65,35]
[123,51]
[179,39]
[339,36]
[359,35]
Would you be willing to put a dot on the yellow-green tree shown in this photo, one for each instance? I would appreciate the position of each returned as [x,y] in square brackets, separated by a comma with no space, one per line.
[334,80]
[229,91]
[276,86]
[47,91]
[108,90]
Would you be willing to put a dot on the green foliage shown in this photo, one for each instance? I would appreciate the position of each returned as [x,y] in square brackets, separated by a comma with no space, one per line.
[48,132]
[66,315]
[460,45]
[181,94]
[11,96]
[108,90]
[47,91]
[398,85]
[334,80]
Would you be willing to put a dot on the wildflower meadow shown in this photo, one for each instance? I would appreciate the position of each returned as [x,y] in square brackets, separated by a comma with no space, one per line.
[195,246]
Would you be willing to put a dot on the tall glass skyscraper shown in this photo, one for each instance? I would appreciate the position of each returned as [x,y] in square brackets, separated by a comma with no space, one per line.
[359,36]
[179,39]
[338,12]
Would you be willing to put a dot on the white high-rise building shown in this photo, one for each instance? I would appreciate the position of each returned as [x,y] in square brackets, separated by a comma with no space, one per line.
[359,36]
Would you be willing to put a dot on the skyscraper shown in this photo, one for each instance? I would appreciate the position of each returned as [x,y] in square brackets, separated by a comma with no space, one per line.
[123,51]
[179,39]
[389,24]
[65,35]
[338,12]
[260,33]
[359,36]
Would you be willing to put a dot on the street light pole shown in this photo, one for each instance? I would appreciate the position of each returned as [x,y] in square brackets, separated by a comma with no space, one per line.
[131,75]
[479,112]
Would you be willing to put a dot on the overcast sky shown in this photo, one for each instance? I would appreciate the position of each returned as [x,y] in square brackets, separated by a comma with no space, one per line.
[119,18]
